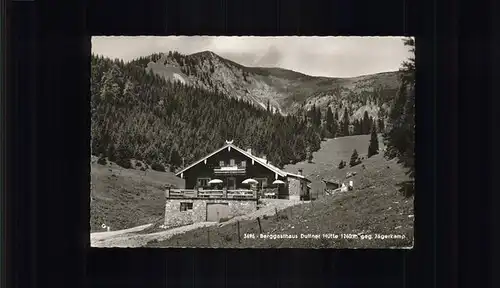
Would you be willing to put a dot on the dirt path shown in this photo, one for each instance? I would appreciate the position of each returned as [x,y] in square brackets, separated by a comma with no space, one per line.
[128,238]
[138,240]
[98,236]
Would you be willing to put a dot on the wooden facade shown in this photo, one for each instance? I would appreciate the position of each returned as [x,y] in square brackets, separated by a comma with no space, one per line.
[233,165]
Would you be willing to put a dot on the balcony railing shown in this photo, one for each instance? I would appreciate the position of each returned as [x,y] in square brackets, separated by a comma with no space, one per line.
[201,193]
[227,169]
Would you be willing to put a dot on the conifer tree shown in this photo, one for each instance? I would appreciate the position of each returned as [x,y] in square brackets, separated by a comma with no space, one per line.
[380,125]
[334,128]
[123,156]
[341,164]
[111,153]
[373,147]
[111,83]
[329,116]
[101,144]
[310,158]
[311,114]
[318,117]
[345,123]
[354,159]
[366,124]
[400,130]
[175,158]
[330,122]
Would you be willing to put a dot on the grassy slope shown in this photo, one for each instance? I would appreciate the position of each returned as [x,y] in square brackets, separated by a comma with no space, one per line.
[125,198]
[374,206]
[325,161]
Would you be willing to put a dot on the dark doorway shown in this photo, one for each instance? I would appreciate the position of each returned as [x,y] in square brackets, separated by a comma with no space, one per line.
[231,183]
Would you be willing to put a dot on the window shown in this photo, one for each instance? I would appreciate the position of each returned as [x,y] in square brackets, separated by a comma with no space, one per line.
[232,162]
[243,163]
[203,182]
[221,163]
[186,206]
[262,182]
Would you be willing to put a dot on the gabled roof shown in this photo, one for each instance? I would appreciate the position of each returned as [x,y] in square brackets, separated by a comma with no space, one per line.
[261,161]
[297,176]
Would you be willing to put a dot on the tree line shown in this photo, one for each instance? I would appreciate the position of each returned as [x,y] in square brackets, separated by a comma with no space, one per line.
[327,124]
[400,136]
[330,126]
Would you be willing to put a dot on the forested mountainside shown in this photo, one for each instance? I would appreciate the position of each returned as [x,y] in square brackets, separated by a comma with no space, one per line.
[139,115]
[285,91]
[163,108]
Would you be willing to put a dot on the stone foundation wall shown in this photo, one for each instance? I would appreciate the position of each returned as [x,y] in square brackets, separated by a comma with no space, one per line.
[174,217]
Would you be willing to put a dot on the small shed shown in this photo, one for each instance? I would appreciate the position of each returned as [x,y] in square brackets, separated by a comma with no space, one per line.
[331,184]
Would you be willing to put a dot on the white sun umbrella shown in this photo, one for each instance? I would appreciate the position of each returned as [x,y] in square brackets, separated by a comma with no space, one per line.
[215,181]
[250,181]
[278,182]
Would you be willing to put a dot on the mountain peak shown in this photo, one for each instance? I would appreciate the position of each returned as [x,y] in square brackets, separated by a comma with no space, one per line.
[205,53]
[276,89]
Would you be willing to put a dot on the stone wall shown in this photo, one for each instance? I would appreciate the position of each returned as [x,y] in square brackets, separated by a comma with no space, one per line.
[174,217]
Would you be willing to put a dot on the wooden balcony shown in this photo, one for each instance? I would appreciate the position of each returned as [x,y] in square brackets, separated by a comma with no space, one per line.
[230,170]
[210,194]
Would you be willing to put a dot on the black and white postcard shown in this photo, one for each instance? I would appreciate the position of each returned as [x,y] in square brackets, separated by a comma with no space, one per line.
[252,142]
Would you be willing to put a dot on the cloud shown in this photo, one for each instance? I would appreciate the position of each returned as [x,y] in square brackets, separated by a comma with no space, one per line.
[318,56]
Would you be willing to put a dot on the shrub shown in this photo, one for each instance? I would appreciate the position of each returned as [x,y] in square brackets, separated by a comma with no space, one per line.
[342,164]
[125,163]
[158,167]
[102,161]
[283,217]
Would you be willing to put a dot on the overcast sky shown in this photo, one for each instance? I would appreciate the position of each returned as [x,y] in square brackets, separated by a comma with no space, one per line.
[316,56]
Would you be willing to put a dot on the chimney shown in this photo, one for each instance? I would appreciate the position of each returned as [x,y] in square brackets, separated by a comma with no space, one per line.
[249,150]
[265,158]
[300,171]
